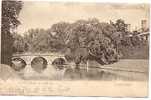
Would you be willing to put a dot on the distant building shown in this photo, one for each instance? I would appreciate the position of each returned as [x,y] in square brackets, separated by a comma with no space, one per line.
[144,30]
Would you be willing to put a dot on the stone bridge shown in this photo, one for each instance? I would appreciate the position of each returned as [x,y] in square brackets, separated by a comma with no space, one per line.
[29,57]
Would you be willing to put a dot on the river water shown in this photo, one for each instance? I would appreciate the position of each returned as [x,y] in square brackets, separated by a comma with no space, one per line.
[50,73]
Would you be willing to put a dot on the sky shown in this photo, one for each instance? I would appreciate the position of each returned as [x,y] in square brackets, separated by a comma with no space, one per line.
[38,14]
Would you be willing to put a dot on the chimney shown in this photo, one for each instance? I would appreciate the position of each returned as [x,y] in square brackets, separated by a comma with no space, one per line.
[129,27]
[144,25]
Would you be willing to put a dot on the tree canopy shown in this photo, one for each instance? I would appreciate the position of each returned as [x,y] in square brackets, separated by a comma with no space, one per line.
[10,12]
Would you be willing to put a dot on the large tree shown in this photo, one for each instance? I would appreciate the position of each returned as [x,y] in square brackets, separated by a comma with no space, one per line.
[10,12]
[90,39]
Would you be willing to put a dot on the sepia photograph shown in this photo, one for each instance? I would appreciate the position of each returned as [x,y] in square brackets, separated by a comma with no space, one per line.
[74,48]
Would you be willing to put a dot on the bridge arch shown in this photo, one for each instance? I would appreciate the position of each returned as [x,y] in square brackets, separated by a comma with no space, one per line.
[18,64]
[59,63]
[39,64]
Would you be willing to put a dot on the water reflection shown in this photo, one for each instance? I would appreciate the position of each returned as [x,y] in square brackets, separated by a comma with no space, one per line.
[67,73]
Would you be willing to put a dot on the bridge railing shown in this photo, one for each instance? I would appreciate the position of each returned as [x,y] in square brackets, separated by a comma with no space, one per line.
[17,55]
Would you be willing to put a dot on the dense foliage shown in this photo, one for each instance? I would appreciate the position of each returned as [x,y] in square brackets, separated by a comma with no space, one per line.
[10,12]
[80,41]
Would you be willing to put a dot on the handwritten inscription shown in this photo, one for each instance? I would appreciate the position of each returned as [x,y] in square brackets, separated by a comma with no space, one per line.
[32,87]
